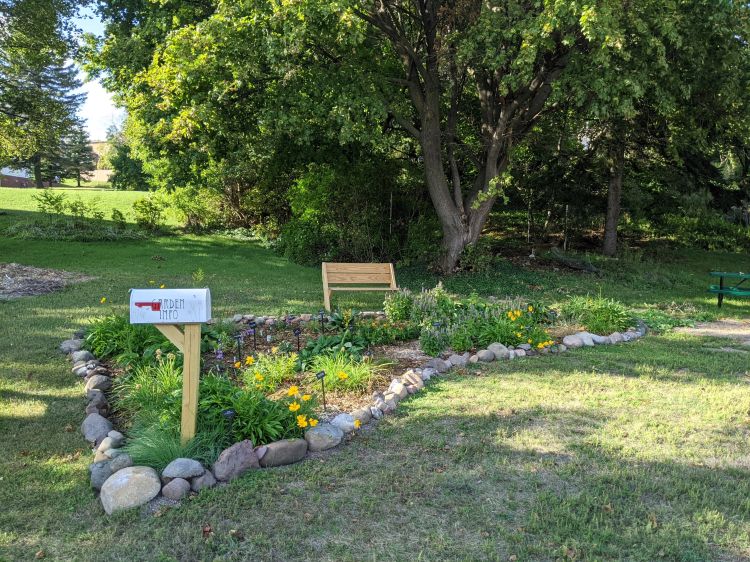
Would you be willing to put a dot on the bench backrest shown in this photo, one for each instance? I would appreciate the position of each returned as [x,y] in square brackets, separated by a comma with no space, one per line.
[359,274]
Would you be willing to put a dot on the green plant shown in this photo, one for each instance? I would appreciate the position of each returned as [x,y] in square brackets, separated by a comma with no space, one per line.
[597,314]
[148,213]
[345,372]
[268,371]
[398,306]
[146,394]
[433,340]
[342,320]
[159,444]
[345,342]
[50,203]
[115,337]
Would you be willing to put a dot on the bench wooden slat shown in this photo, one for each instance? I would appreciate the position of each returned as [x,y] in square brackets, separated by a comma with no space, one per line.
[356,277]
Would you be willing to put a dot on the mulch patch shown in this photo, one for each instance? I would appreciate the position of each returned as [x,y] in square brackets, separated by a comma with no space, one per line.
[18,280]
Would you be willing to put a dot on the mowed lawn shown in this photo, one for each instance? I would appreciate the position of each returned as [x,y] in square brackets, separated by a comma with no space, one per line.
[631,452]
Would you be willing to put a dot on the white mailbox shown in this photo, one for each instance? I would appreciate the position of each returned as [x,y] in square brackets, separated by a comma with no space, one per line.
[170,306]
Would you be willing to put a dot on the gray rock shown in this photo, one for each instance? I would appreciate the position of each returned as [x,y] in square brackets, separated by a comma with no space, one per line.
[600,340]
[616,337]
[120,461]
[439,365]
[499,350]
[183,468]
[235,461]
[237,318]
[573,341]
[458,360]
[345,422]
[586,338]
[428,373]
[641,327]
[630,335]
[512,353]
[95,428]
[98,382]
[129,487]
[71,346]
[206,480]
[398,389]
[117,437]
[562,348]
[283,452]
[323,436]
[412,388]
[363,415]
[260,320]
[413,378]
[377,413]
[81,355]
[474,359]
[525,346]
[520,352]
[100,471]
[108,443]
[485,355]
[176,489]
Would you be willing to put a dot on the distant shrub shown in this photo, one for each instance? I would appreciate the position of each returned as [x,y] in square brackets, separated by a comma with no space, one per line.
[149,213]
[597,314]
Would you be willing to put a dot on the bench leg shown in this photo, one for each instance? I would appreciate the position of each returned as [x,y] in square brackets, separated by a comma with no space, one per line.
[327,299]
[721,299]
[721,288]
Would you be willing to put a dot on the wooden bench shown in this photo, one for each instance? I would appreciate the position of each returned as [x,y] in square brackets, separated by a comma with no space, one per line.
[736,290]
[356,277]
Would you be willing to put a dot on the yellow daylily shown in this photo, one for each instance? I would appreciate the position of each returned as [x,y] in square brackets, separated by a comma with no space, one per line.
[293,391]
[294,406]
[306,397]
[313,422]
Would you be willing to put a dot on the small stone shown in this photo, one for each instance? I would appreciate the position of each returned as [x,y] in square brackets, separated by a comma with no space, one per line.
[323,436]
[600,340]
[363,415]
[586,338]
[81,355]
[260,320]
[458,360]
[377,413]
[411,377]
[120,461]
[390,406]
[71,346]
[118,437]
[129,487]
[412,389]
[520,352]
[183,468]
[206,480]
[78,365]
[573,341]
[398,389]
[525,346]
[114,453]
[616,337]
[428,373]
[474,359]
[235,461]
[439,365]
[106,444]
[485,356]
[99,382]
[176,489]
[345,422]
[286,451]
[95,428]
[499,350]
[562,348]
[237,318]
[91,409]
[100,471]
[305,317]
[512,353]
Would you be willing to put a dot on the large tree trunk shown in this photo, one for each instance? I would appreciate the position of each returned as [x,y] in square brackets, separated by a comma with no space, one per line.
[37,166]
[614,194]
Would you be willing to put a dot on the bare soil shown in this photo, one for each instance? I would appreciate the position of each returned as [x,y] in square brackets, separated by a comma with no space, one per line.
[738,330]
[18,280]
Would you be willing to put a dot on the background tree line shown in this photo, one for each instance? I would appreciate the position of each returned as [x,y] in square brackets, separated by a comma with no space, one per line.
[391,129]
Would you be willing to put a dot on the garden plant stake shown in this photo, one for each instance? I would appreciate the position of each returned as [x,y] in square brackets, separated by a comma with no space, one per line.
[297,333]
[321,376]
[322,325]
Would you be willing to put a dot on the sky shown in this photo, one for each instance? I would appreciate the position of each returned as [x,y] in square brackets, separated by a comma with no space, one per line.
[99,112]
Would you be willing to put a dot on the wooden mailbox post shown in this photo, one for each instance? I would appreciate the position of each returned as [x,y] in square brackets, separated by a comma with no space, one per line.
[167,309]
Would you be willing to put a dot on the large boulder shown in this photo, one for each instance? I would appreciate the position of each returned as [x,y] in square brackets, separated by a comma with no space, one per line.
[81,355]
[323,436]
[176,489]
[235,461]
[286,451]
[573,341]
[95,428]
[485,355]
[129,487]
[499,350]
[345,422]
[183,468]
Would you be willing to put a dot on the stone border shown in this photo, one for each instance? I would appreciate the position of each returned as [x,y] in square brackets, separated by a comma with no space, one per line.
[122,485]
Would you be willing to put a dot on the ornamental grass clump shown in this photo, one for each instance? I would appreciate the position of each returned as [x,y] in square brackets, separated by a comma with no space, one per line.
[268,371]
[346,373]
[597,314]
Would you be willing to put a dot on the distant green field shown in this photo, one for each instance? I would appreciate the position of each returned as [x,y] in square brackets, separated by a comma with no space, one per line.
[22,200]
[87,184]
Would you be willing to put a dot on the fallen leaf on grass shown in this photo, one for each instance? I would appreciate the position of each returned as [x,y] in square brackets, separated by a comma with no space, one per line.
[40,554]
[237,535]
[207,531]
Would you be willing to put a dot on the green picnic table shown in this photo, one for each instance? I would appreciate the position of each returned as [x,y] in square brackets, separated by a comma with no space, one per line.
[736,290]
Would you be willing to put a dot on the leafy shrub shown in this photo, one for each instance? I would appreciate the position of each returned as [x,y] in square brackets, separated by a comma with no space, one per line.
[148,213]
[398,306]
[478,258]
[597,314]
[709,231]
[345,342]
[433,341]
[50,203]
[147,393]
[383,334]
[345,372]
[269,370]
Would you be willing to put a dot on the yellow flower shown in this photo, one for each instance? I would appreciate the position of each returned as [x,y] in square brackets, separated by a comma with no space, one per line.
[152,282]
[306,397]
[237,364]
[293,390]
[342,375]
[313,422]
[540,345]
[162,286]
[531,308]
[274,349]
[530,340]
[103,300]
[294,406]
[357,424]
[302,420]
[249,360]
[258,377]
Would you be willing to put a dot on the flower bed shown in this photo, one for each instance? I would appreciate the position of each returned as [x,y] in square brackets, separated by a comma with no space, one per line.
[260,401]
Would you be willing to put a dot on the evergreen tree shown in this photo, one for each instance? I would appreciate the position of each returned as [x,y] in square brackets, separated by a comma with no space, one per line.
[79,159]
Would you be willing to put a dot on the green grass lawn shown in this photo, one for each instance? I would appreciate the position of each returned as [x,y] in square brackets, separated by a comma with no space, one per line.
[631,452]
